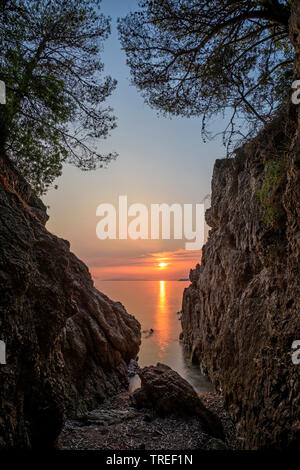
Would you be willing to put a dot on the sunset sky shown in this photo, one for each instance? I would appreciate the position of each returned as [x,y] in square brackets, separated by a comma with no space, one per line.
[161,160]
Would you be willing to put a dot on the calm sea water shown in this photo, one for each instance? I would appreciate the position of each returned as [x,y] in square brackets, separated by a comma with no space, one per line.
[155,304]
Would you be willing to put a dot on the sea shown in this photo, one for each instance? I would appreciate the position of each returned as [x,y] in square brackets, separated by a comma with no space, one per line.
[155,304]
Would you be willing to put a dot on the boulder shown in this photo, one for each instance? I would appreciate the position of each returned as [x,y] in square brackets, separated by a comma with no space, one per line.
[167,392]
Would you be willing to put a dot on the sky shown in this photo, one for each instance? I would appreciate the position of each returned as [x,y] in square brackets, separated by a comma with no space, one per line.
[161,160]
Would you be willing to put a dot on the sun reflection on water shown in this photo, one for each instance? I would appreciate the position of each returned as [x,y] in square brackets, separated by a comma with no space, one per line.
[162,296]
[162,325]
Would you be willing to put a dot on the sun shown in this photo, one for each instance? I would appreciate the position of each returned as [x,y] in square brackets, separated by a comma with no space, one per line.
[162,265]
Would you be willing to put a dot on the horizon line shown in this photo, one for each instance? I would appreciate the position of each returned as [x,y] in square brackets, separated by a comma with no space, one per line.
[147,280]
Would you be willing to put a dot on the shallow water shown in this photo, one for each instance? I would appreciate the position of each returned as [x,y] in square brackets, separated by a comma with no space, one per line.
[155,304]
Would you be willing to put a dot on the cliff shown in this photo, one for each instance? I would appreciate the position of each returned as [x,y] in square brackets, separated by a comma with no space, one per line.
[67,344]
[241,312]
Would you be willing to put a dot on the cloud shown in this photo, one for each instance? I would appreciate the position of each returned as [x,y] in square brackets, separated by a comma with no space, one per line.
[145,266]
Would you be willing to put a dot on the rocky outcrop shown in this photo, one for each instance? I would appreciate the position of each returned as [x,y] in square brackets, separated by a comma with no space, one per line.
[165,391]
[241,312]
[67,344]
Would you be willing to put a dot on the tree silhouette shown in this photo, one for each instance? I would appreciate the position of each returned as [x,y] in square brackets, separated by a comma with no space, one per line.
[55,86]
[205,57]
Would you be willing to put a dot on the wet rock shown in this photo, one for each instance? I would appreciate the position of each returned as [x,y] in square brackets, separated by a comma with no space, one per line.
[165,391]
[148,333]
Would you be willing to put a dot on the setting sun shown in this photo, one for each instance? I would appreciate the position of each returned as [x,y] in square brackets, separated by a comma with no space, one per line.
[162,265]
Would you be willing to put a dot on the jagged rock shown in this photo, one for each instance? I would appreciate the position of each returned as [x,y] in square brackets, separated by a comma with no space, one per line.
[242,314]
[100,339]
[195,273]
[167,392]
[68,345]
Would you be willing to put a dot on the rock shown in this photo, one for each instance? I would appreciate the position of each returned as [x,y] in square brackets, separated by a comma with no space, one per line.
[215,444]
[107,417]
[99,342]
[167,392]
[148,333]
[133,368]
[241,312]
[68,346]
[149,417]
[195,273]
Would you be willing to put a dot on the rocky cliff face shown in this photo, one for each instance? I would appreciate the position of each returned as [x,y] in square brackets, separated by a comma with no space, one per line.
[241,312]
[67,344]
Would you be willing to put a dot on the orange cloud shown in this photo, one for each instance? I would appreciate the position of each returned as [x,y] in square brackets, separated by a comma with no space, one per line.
[168,265]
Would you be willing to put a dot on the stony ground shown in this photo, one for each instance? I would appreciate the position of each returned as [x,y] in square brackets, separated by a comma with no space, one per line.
[117,426]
